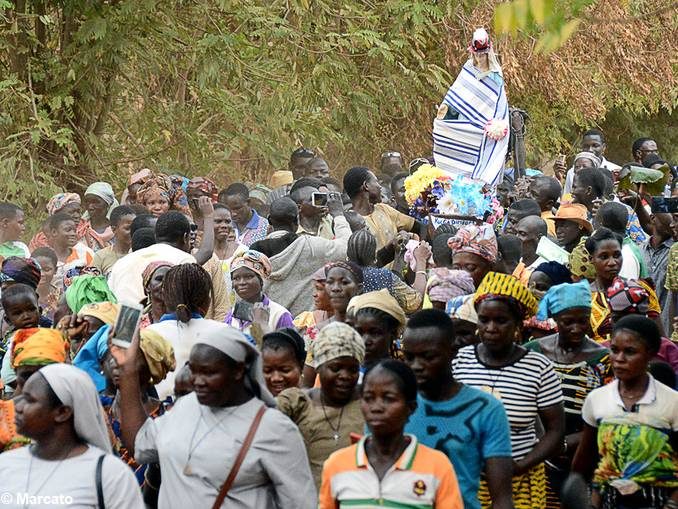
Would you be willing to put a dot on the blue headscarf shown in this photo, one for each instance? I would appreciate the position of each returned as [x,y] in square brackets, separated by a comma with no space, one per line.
[564,296]
[90,356]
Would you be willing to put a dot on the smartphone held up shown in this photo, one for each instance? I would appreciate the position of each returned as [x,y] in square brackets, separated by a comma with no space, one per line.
[127,324]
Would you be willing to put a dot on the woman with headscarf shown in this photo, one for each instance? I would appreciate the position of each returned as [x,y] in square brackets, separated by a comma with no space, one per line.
[134,183]
[343,281]
[327,415]
[465,320]
[229,403]
[630,425]
[445,284]
[248,273]
[524,381]
[610,293]
[100,201]
[31,349]
[581,364]
[159,194]
[545,276]
[88,289]
[380,320]
[70,204]
[152,278]
[70,458]
[474,249]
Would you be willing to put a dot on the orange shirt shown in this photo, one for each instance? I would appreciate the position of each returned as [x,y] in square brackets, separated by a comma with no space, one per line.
[422,477]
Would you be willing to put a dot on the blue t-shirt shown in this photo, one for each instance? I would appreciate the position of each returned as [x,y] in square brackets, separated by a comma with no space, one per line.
[469,428]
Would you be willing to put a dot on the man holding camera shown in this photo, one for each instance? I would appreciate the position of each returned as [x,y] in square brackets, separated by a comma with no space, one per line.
[310,195]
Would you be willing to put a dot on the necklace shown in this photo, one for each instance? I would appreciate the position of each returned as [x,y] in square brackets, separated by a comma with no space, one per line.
[30,468]
[329,423]
[191,448]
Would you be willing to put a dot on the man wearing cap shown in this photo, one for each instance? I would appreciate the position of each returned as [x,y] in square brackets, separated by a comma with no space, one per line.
[572,224]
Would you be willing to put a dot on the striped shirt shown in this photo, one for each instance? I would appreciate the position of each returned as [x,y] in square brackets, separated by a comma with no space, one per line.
[421,478]
[525,387]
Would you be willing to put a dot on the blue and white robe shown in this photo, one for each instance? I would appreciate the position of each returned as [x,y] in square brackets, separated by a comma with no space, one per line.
[460,146]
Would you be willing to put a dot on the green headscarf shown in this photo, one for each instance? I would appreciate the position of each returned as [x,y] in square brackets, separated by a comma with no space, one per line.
[88,290]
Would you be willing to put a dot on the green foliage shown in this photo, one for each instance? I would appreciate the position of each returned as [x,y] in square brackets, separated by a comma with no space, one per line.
[227,88]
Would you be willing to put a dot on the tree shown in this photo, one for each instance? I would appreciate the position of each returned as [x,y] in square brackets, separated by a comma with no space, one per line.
[227,88]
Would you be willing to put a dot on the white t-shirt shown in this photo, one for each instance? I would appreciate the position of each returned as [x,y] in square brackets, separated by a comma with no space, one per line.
[125,278]
[70,483]
[630,268]
[657,408]
[182,338]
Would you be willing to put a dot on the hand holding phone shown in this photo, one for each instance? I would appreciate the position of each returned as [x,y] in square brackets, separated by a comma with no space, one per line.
[126,325]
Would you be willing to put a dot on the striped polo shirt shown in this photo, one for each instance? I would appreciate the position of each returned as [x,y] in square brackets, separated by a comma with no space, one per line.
[421,478]
[525,387]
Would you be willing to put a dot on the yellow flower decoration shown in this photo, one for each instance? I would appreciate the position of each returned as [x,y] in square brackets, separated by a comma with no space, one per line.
[420,180]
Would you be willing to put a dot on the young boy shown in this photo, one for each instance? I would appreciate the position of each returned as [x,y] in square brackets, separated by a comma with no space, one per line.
[121,223]
[63,239]
[11,229]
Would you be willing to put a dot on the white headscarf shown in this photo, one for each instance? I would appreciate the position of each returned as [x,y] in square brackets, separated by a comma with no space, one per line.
[104,191]
[75,389]
[234,344]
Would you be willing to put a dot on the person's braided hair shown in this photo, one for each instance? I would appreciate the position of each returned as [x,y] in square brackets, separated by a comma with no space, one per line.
[187,289]
[362,248]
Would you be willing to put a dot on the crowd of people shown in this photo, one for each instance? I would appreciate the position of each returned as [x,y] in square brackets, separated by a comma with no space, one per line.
[316,343]
[448,333]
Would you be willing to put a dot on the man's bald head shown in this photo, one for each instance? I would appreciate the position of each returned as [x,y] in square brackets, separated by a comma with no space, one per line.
[284,215]
[535,225]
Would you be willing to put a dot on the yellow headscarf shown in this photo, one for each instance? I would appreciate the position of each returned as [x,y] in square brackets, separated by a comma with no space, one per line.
[107,312]
[496,284]
[38,347]
[381,300]
[158,353]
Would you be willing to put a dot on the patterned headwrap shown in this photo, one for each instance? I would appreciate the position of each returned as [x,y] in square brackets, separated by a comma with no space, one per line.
[140,177]
[80,270]
[319,275]
[557,272]
[445,284]
[590,156]
[462,308]
[38,347]
[564,296]
[167,188]
[204,185]
[158,353]
[104,191]
[626,296]
[255,261]
[337,340]
[478,240]
[20,270]
[107,312]
[88,290]
[260,192]
[59,201]
[581,262]
[281,178]
[150,269]
[349,266]
[496,285]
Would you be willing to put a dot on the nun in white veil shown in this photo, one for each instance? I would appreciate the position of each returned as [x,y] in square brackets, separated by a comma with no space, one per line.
[69,460]
[197,442]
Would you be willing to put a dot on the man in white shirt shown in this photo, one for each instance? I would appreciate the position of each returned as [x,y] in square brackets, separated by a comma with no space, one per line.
[593,141]
[172,233]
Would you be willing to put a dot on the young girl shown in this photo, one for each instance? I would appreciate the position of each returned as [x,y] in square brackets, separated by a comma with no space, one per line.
[389,462]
